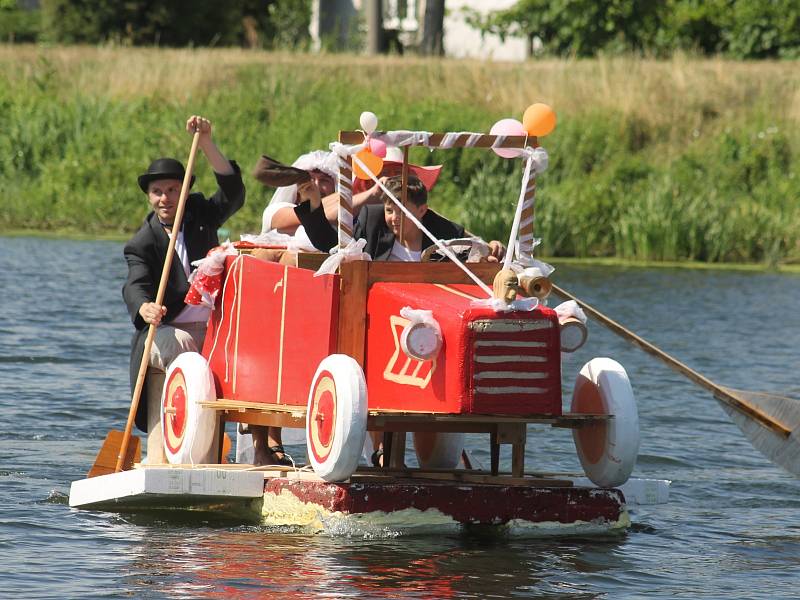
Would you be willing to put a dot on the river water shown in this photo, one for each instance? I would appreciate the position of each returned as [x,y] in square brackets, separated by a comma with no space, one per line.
[729,530]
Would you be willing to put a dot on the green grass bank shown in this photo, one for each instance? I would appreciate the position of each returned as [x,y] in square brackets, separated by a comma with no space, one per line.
[651,160]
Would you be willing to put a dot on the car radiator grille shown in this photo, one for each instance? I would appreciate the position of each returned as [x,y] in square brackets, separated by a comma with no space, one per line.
[515,368]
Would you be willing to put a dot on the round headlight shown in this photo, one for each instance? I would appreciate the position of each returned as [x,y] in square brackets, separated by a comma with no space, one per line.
[420,341]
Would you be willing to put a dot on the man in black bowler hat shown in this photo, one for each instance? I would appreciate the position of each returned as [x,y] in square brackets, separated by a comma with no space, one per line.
[181,327]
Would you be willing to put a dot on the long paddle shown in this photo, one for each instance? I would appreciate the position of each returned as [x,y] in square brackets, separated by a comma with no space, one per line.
[769,421]
[111,442]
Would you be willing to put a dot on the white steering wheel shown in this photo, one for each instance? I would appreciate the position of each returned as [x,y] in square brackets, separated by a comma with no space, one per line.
[475,248]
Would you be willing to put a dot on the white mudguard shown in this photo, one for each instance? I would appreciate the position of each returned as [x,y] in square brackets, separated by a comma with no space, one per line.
[607,450]
[189,429]
[336,421]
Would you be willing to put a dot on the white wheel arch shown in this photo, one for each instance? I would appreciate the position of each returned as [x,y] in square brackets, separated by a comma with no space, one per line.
[189,429]
[607,450]
[336,421]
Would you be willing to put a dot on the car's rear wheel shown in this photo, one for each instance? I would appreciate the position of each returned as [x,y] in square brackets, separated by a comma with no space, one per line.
[336,421]
[438,450]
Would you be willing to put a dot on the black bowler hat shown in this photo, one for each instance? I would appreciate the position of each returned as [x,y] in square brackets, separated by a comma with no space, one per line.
[163,168]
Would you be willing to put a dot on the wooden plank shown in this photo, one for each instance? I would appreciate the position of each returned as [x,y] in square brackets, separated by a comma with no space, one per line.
[484,140]
[398,454]
[267,419]
[310,260]
[353,309]
[494,452]
[518,459]
[461,476]
[444,273]
[240,405]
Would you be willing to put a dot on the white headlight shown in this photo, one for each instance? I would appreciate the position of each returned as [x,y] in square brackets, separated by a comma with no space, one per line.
[421,341]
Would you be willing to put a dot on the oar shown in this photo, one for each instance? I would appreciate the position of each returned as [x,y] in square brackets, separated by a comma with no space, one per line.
[768,420]
[122,458]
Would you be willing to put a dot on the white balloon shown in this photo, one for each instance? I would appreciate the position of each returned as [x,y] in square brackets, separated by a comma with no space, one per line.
[369,122]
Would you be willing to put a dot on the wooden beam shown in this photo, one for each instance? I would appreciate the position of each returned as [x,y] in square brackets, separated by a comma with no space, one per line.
[483,140]
[353,309]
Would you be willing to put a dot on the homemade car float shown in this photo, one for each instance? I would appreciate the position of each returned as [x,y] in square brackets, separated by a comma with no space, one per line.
[438,349]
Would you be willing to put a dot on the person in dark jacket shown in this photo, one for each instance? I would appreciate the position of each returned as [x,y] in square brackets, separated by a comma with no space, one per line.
[180,327]
[380,224]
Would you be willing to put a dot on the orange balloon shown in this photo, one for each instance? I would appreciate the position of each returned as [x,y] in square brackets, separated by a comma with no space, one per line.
[371,161]
[539,119]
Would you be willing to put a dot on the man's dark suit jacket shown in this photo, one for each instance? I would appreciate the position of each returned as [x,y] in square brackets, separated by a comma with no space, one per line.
[372,227]
[146,252]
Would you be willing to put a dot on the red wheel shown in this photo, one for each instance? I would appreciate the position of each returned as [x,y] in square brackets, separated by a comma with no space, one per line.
[188,427]
[336,422]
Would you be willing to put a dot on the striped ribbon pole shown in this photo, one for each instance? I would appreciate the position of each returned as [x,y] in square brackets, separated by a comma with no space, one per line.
[345,188]
[526,220]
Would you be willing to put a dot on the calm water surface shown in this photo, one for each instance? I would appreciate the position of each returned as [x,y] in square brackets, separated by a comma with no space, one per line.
[730,529]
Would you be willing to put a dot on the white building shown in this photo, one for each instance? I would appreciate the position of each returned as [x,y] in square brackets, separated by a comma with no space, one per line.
[337,20]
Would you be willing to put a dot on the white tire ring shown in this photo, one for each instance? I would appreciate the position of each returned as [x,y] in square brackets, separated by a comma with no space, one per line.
[438,450]
[608,450]
[336,420]
[189,428]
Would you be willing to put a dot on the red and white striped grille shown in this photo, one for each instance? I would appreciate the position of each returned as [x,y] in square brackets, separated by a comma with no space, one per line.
[516,367]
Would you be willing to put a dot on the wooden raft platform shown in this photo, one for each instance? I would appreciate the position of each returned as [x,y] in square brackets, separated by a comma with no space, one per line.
[502,429]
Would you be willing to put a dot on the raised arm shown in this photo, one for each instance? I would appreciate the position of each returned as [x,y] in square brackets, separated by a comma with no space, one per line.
[216,159]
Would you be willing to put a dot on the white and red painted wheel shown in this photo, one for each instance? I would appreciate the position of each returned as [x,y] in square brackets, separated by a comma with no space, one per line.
[608,449]
[438,450]
[336,421]
[189,428]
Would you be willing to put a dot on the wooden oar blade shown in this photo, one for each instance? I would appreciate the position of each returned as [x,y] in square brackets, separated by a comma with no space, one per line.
[106,461]
[781,447]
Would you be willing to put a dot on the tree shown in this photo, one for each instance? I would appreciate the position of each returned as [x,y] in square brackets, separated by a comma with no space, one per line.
[268,23]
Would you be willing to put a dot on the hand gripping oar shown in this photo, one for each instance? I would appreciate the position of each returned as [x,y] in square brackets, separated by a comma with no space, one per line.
[768,420]
[122,455]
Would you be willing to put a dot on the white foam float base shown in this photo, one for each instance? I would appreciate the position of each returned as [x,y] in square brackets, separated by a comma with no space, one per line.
[166,488]
[637,491]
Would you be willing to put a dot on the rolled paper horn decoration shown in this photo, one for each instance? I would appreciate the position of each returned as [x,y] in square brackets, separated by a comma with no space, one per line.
[573,334]
[505,285]
[535,284]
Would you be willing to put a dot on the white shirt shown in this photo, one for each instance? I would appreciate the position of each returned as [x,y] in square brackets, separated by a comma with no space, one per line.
[190,313]
[402,254]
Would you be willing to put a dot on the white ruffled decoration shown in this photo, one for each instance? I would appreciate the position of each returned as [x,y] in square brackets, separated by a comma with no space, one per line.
[527,265]
[569,309]
[345,150]
[418,315]
[540,159]
[296,242]
[214,261]
[286,196]
[353,251]
[499,305]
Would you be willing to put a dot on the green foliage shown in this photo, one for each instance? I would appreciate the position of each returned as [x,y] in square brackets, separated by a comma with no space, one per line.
[289,21]
[750,29]
[16,24]
[265,23]
[69,161]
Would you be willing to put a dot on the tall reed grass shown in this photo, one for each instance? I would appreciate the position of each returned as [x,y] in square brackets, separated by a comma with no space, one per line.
[658,160]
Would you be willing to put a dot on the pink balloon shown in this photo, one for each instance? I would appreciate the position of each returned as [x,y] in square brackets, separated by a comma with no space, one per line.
[507,127]
[378,148]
